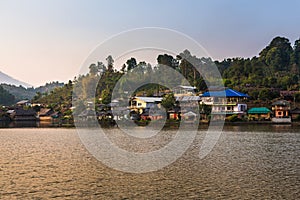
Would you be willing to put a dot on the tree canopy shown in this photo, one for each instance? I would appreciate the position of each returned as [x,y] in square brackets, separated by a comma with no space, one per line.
[5,97]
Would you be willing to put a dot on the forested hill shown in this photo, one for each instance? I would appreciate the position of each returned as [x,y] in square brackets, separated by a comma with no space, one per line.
[277,67]
[5,97]
[20,92]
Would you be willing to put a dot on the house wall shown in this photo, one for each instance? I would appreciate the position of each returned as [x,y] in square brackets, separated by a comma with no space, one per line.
[240,107]
[139,103]
[281,113]
[230,108]
[45,118]
[207,100]
[259,116]
[25,118]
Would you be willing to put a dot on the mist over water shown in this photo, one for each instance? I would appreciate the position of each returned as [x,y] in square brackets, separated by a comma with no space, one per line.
[247,162]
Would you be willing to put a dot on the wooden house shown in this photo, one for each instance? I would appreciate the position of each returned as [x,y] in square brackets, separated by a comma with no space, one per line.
[45,114]
[259,113]
[295,113]
[281,111]
[24,115]
[142,104]
[23,103]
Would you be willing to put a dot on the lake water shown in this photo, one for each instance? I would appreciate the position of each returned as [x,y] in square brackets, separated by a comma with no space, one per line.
[248,162]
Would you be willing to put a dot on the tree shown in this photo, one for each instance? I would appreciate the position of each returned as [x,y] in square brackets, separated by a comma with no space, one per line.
[93,69]
[131,64]
[184,63]
[296,52]
[167,60]
[277,54]
[205,109]
[89,84]
[168,101]
[101,67]
[295,58]
[110,63]
[5,97]
[123,69]
[297,97]
[106,96]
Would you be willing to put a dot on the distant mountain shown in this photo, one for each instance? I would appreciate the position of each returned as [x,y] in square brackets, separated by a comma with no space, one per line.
[4,78]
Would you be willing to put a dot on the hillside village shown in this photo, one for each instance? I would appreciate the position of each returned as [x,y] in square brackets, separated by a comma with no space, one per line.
[220,104]
[263,89]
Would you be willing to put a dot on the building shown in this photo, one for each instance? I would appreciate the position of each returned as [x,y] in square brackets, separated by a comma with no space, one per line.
[281,111]
[152,116]
[189,116]
[259,113]
[183,90]
[189,101]
[295,113]
[45,114]
[225,103]
[142,104]
[24,115]
[23,103]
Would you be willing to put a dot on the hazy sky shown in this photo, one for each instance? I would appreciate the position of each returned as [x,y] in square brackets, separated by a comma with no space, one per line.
[45,40]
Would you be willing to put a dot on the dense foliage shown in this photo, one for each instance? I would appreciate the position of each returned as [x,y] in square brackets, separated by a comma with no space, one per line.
[60,98]
[22,93]
[5,97]
[276,68]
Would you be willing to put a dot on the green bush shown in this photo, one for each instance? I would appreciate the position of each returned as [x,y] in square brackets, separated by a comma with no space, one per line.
[233,118]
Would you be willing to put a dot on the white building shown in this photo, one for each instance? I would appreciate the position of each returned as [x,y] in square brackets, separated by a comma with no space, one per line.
[225,102]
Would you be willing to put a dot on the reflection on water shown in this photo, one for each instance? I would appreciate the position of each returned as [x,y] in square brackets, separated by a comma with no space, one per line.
[245,164]
[263,128]
[30,124]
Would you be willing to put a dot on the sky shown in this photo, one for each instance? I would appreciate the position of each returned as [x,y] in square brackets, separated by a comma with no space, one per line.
[48,40]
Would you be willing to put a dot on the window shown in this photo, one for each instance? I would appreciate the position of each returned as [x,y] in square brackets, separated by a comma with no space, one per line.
[242,108]
[228,108]
[139,104]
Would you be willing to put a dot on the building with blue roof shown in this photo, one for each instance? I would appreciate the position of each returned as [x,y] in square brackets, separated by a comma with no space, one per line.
[225,102]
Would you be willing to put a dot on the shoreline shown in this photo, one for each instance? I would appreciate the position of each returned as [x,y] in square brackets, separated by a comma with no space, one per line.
[168,124]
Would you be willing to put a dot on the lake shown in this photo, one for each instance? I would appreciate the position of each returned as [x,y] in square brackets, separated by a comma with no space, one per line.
[248,162]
